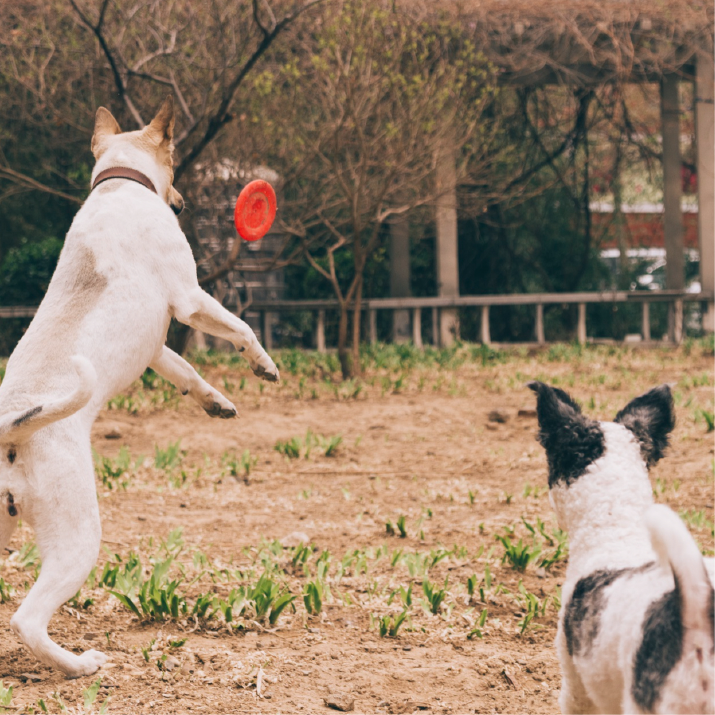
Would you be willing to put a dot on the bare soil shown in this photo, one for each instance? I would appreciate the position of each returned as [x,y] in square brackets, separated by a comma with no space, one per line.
[425,448]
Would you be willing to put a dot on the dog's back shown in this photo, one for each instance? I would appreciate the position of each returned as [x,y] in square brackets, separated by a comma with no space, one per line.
[107,300]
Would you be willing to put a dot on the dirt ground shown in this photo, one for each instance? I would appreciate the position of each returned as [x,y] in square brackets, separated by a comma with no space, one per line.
[418,443]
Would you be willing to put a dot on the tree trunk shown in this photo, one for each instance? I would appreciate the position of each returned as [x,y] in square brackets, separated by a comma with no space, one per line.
[343,352]
[357,308]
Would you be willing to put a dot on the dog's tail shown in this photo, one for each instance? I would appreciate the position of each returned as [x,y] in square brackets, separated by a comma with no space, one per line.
[17,427]
[678,552]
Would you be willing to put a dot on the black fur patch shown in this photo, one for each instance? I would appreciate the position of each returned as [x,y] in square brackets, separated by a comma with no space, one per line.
[660,649]
[11,455]
[651,418]
[30,413]
[583,612]
[571,440]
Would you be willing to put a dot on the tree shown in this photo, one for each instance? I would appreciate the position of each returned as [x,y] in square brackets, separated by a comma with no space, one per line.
[62,60]
[365,103]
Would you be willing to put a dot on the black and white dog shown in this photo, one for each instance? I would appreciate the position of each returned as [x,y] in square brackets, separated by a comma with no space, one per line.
[636,624]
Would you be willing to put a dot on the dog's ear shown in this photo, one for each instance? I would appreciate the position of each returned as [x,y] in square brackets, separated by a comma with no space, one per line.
[161,129]
[651,418]
[104,125]
[571,440]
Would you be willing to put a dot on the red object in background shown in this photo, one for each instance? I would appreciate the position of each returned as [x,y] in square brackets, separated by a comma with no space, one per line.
[255,210]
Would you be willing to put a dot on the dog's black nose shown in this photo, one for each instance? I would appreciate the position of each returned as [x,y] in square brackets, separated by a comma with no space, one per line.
[177,208]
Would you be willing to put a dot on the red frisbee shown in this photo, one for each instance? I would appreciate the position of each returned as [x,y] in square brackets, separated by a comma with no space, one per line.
[255,210]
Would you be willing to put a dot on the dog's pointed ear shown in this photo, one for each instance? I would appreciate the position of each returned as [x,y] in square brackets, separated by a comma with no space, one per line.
[651,418]
[104,125]
[571,440]
[161,129]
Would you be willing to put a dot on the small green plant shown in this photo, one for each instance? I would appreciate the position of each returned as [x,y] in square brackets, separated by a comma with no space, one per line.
[533,608]
[268,599]
[291,449]
[90,695]
[390,625]
[405,596]
[329,445]
[519,555]
[476,632]
[435,596]
[313,597]
[6,591]
[80,603]
[146,651]
[708,417]
[5,696]
[401,526]
[123,402]
[29,557]
[472,584]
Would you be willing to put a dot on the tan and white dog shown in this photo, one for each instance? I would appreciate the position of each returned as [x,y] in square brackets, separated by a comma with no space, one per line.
[125,270]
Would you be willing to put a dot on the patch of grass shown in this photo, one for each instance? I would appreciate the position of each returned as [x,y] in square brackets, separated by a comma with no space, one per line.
[301,448]
[114,473]
[169,458]
[155,598]
[240,469]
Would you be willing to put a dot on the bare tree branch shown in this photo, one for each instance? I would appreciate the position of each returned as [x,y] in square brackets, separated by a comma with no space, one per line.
[7,173]
[118,81]
[221,115]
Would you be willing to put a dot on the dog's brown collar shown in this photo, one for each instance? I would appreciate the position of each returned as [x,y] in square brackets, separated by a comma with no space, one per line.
[123,172]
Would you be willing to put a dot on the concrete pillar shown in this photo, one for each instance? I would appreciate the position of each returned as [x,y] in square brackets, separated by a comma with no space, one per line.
[705,144]
[581,327]
[672,189]
[645,321]
[372,322]
[417,327]
[485,333]
[539,328]
[447,260]
[320,332]
[400,276]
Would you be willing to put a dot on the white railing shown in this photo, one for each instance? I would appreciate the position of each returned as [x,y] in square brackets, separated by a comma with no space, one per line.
[270,309]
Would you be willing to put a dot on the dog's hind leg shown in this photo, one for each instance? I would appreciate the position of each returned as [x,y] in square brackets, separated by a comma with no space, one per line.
[65,517]
[199,310]
[177,371]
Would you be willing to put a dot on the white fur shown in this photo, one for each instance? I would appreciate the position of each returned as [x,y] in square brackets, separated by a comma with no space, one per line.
[612,524]
[125,270]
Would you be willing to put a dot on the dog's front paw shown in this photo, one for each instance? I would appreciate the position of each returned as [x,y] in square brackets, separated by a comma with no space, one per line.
[89,662]
[216,405]
[266,369]
[222,411]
